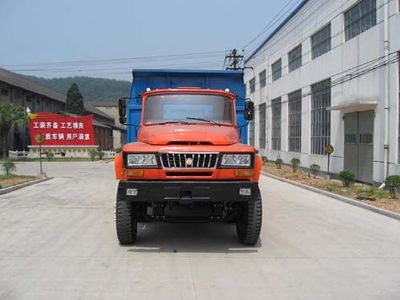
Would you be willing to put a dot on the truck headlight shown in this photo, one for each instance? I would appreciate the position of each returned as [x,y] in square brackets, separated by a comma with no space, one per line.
[141,160]
[236,160]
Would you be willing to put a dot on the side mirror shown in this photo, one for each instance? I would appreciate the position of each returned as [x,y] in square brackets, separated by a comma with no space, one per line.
[249,111]
[122,110]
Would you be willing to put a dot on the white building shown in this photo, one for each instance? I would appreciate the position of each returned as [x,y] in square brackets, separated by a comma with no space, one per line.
[320,79]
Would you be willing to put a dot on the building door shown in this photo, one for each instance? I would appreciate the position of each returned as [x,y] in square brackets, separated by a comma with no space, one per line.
[358,147]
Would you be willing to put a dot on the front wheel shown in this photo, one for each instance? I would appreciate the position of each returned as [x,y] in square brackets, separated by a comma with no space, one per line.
[249,221]
[126,223]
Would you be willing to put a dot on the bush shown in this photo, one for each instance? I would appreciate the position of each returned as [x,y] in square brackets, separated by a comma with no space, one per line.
[49,155]
[295,164]
[92,154]
[279,163]
[8,167]
[347,177]
[100,154]
[315,169]
[373,191]
[118,150]
[393,183]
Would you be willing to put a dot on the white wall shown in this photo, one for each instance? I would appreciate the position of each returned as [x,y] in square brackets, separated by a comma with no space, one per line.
[343,56]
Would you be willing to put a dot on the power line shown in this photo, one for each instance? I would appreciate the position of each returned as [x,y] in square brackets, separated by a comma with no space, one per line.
[271,23]
[296,26]
[123,60]
[336,13]
[210,60]
[299,15]
[395,58]
[116,68]
[305,54]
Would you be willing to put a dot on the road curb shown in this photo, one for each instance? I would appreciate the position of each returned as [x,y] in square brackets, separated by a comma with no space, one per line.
[22,185]
[338,197]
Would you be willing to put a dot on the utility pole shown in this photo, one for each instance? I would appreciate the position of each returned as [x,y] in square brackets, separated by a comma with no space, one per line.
[235,60]
[387,92]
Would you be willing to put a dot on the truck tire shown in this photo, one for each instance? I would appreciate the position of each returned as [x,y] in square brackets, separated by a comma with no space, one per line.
[126,223]
[249,221]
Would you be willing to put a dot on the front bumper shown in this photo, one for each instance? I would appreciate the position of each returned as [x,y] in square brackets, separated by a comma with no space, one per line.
[188,191]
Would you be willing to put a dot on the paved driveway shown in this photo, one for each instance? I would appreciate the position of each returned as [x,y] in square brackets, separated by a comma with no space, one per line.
[57,241]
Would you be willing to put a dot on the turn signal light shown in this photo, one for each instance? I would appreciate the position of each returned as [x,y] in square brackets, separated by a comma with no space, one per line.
[136,173]
[244,173]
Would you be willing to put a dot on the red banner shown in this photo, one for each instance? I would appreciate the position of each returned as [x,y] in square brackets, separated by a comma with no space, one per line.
[60,130]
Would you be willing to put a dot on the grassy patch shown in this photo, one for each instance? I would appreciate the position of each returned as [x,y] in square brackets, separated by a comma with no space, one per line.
[374,192]
[358,191]
[338,188]
[7,181]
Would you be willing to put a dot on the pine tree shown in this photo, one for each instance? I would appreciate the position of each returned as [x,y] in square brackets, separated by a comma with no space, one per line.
[74,103]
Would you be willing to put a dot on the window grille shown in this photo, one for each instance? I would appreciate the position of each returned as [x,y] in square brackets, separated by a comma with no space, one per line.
[276,107]
[321,41]
[295,58]
[320,116]
[4,92]
[295,112]
[252,85]
[263,125]
[263,78]
[350,138]
[251,133]
[360,18]
[276,70]
[366,138]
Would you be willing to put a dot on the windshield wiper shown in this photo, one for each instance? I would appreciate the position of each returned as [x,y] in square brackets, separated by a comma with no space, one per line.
[205,120]
[169,122]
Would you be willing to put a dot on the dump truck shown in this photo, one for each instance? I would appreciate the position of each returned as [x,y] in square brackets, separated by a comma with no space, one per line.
[186,158]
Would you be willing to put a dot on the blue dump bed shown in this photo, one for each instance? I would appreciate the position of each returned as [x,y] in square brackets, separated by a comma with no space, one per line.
[162,79]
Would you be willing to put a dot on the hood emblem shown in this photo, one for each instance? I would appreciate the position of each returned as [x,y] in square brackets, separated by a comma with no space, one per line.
[189,161]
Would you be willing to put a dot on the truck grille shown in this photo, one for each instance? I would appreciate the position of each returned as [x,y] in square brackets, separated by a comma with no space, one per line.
[189,160]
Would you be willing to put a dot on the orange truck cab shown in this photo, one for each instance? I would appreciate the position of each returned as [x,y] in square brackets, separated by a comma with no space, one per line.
[187,163]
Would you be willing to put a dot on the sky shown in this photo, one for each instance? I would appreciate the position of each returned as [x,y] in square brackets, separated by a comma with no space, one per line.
[58,38]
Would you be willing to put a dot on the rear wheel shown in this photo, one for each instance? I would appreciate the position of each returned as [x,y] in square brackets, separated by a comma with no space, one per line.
[249,221]
[126,223]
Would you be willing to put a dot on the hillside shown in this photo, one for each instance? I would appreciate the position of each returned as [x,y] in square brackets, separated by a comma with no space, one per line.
[92,89]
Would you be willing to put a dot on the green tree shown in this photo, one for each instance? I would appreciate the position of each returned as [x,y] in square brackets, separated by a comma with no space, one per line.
[74,103]
[10,116]
[8,167]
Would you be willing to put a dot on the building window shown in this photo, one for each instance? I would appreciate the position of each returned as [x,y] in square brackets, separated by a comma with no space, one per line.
[276,107]
[294,103]
[252,85]
[360,18]
[320,116]
[4,92]
[28,100]
[263,78]
[251,133]
[17,93]
[321,41]
[263,124]
[294,57]
[276,70]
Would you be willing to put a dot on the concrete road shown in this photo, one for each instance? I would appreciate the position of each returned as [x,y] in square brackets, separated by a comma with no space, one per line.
[57,241]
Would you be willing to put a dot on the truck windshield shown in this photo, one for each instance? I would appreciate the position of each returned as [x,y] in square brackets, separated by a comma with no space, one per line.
[188,108]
